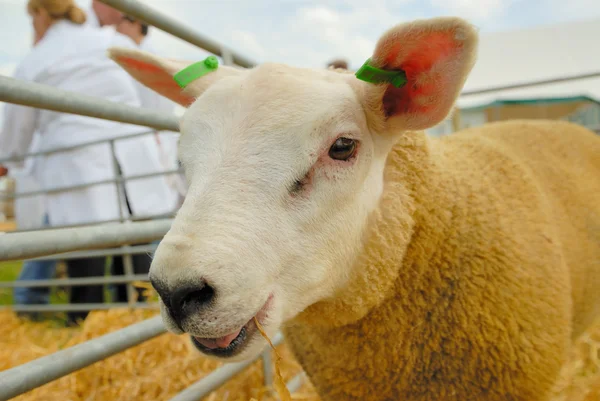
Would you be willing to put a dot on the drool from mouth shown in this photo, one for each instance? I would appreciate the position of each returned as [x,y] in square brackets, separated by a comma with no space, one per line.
[233,343]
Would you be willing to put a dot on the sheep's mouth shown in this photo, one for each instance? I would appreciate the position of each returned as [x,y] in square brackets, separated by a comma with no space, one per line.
[233,343]
[227,346]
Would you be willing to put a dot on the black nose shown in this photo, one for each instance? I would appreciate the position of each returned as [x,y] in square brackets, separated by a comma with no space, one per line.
[188,299]
[184,299]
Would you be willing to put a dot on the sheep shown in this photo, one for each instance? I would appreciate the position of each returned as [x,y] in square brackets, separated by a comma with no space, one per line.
[399,266]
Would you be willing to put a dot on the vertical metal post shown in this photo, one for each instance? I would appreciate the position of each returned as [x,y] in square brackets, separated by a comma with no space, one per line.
[127,259]
[267,368]
[296,382]
[117,176]
[227,56]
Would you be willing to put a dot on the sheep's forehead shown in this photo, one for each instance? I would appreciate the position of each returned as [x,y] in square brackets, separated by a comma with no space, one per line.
[274,98]
[266,127]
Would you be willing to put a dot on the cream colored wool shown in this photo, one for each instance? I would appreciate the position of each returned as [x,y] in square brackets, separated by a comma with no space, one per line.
[500,271]
[460,268]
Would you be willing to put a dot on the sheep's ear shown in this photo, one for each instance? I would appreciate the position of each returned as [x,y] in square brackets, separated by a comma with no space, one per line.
[157,74]
[436,55]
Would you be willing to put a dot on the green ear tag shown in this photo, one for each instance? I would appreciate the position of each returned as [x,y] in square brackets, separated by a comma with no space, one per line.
[375,75]
[195,71]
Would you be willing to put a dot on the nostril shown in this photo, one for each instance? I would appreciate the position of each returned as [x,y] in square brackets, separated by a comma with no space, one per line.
[188,298]
[201,296]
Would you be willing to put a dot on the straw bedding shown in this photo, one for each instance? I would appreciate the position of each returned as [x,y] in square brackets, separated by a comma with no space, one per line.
[153,371]
[160,368]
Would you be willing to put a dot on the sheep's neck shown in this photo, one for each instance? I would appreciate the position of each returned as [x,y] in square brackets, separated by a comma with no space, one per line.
[381,267]
[392,284]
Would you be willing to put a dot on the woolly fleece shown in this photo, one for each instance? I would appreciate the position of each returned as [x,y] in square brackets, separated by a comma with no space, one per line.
[477,270]
[481,266]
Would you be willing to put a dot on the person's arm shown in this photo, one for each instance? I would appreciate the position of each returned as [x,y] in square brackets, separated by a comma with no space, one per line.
[17,133]
[19,124]
[18,127]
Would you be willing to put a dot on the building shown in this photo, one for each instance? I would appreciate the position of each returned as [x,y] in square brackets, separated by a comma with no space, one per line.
[529,55]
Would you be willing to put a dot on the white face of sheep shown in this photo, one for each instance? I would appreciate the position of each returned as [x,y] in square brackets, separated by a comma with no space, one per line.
[284,166]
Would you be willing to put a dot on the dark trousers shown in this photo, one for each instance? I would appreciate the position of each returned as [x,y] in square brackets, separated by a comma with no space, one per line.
[83,294]
[141,265]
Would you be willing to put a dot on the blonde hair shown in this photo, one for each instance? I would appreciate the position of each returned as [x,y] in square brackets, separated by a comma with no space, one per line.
[59,9]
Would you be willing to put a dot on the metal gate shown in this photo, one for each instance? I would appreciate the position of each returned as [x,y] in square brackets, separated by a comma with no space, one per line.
[118,237]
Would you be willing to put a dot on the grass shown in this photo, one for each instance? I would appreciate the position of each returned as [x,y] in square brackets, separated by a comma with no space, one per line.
[9,271]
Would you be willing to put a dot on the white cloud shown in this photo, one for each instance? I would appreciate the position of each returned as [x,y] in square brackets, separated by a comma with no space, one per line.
[350,33]
[574,9]
[305,33]
[474,9]
[8,69]
[248,42]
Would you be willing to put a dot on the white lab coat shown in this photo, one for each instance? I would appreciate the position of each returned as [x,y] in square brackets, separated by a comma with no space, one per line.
[167,140]
[73,58]
[30,210]
[157,158]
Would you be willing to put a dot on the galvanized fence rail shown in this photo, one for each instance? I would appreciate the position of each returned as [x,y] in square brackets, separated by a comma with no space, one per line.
[167,24]
[121,236]
[93,240]
[32,94]
[26,377]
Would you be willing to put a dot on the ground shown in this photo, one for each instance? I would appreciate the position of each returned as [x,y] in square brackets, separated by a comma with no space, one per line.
[159,369]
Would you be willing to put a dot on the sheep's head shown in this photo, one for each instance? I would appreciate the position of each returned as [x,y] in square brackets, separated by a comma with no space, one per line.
[284,166]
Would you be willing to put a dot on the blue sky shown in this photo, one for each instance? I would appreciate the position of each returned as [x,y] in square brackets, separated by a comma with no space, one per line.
[306,32]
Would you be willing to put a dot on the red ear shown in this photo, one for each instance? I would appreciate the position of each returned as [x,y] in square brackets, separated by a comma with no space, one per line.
[157,74]
[154,72]
[437,55]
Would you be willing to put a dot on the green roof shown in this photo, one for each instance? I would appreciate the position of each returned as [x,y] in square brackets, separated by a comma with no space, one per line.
[533,101]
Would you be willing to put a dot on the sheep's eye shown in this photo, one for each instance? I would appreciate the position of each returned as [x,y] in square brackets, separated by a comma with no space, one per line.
[342,149]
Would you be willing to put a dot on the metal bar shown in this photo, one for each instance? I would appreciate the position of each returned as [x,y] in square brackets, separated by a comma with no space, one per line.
[93,223]
[73,282]
[227,56]
[170,25]
[296,382]
[530,84]
[128,273]
[267,368]
[86,185]
[18,246]
[69,148]
[132,250]
[121,198]
[117,178]
[50,98]
[38,372]
[78,307]
[217,378]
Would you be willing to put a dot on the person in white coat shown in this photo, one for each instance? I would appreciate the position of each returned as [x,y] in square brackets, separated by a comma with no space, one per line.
[165,141]
[101,15]
[137,156]
[72,56]
[30,212]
